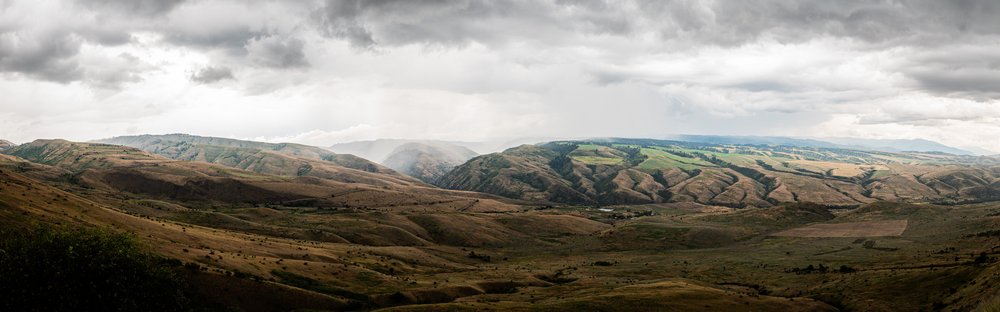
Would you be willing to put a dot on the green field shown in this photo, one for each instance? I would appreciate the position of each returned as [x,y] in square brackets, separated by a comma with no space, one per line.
[589,147]
[659,159]
[597,160]
[592,154]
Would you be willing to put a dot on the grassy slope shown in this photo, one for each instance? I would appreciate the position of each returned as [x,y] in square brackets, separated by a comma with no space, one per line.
[271,158]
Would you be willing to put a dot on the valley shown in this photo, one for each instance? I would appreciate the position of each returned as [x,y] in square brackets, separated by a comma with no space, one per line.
[563,226]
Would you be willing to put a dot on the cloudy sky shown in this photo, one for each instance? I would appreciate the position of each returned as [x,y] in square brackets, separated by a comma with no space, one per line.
[322,72]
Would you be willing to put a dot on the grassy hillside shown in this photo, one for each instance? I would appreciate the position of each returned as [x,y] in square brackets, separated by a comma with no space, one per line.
[635,171]
[270,158]
[116,169]
[310,252]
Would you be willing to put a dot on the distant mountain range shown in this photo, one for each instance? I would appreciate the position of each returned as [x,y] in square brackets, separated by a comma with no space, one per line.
[758,172]
[732,171]
[884,145]
[900,145]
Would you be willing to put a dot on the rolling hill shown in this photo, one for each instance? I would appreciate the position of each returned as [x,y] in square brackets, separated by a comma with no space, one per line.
[284,159]
[280,242]
[637,171]
[116,169]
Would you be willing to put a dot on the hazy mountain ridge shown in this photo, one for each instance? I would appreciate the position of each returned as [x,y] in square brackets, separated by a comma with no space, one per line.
[883,145]
[427,162]
[752,140]
[167,145]
[270,158]
[635,171]
[380,149]
[375,150]
[4,145]
[900,145]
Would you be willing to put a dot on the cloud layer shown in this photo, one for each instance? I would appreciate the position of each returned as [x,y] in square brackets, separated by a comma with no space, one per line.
[322,72]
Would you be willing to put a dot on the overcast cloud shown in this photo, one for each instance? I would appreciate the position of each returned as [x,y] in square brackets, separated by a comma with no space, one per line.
[323,72]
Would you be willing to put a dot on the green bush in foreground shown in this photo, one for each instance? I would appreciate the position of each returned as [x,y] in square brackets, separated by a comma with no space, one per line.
[70,269]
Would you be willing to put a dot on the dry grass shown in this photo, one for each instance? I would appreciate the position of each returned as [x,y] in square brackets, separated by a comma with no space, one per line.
[667,295]
[835,168]
[852,229]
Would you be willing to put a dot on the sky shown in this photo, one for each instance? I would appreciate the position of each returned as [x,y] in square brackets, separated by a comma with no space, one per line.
[325,72]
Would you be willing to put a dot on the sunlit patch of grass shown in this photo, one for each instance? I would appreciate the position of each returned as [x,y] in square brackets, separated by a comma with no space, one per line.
[597,160]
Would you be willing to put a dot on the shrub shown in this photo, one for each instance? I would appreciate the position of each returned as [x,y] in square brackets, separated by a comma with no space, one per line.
[74,269]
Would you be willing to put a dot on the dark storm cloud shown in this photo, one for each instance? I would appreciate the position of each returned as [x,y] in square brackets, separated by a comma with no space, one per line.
[683,25]
[277,52]
[147,8]
[212,74]
[766,85]
[394,22]
[57,59]
[980,84]
[905,22]
[115,72]
[687,25]
[963,71]
[399,22]
[115,20]
[231,39]
[48,47]
[46,57]
[51,53]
